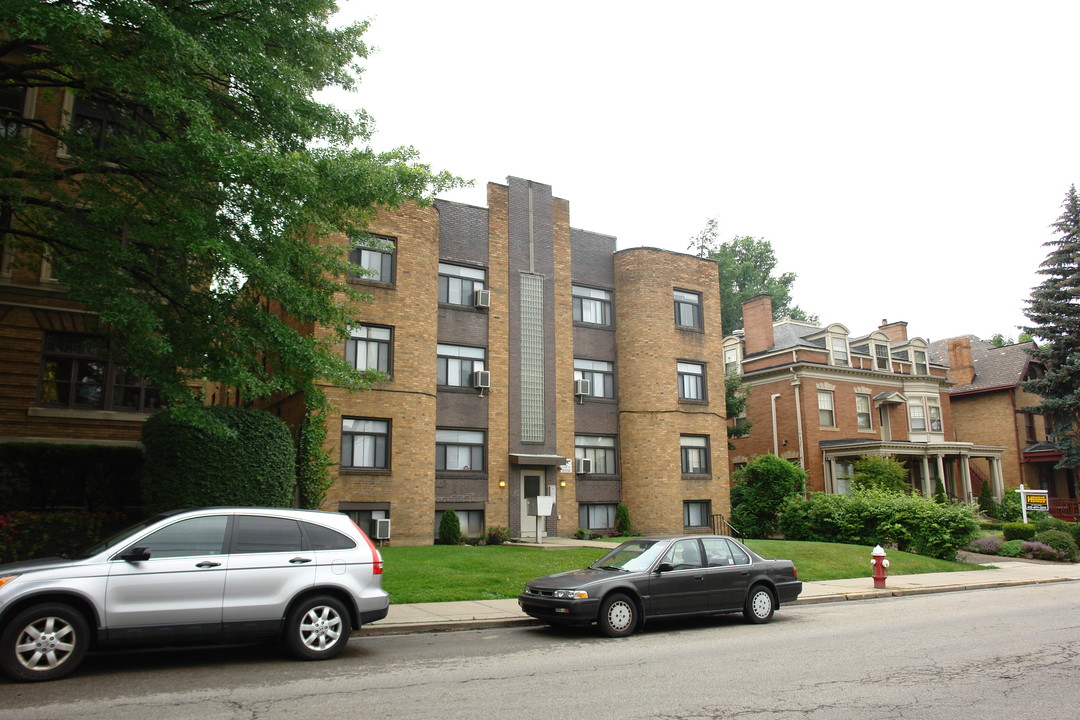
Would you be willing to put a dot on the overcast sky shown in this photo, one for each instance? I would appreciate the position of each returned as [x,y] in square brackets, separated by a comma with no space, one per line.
[905,159]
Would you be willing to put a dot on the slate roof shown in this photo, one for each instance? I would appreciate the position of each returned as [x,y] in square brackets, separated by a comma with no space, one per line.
[995,367]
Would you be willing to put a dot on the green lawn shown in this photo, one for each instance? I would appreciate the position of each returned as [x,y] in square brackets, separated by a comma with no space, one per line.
[439,573]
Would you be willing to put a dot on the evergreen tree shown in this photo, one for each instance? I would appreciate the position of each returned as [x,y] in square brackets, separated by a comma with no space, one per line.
[1054,311]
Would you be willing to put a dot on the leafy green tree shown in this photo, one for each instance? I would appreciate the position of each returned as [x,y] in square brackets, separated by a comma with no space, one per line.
[879,472]
[999,340]
[197,169]
[450,528]
[1055,316]
[736,397]
[747,268]
[760,488]
[622,520]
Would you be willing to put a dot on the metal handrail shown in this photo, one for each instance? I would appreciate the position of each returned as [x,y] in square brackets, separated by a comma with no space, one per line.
[721,526]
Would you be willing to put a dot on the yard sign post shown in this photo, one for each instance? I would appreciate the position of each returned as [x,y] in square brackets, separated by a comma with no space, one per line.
[1033,500]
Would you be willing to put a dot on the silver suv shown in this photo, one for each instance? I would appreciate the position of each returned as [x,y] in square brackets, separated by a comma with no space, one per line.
[209,575]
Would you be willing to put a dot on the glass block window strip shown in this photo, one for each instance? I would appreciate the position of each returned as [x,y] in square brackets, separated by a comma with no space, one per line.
[532,358]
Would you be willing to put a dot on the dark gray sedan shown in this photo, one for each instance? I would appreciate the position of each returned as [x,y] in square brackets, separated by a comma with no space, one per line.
[664,577]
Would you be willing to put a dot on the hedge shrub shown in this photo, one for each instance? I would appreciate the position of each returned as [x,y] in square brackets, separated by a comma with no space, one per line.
[760,489]
[217,456]
[910,523]
[1011,548]
[1018,531]
[450,528]
[26,535]
[1061,541]
[41,476]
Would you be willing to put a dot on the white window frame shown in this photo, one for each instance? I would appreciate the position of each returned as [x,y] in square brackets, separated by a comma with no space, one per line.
[919,364]
[839,352]
[878,357]
[863,415]
[826,404]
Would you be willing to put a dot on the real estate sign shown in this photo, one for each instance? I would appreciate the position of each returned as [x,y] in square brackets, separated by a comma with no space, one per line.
[1033,500]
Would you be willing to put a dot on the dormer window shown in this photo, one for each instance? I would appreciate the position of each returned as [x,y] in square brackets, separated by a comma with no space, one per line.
[731,361]
[882,360]
[921,367]
[838,351]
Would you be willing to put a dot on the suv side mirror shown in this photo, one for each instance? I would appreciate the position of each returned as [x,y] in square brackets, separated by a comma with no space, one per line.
[136,554]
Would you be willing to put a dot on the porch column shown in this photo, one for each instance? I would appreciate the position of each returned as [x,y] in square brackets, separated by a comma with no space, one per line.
[927,489]
[940,470]
[996,479]
[965,468]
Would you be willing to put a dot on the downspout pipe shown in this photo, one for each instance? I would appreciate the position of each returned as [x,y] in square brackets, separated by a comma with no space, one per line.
[775,439]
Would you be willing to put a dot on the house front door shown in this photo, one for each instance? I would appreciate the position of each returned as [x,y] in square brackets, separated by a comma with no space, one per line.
[532,484]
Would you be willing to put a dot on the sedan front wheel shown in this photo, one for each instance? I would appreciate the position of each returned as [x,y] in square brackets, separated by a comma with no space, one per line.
[618,616]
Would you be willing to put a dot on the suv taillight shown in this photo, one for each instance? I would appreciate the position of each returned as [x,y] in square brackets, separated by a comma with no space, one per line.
[376,558]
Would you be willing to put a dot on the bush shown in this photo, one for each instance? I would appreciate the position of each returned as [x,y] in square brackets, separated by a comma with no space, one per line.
[1011,548]
[1039,551]
[987,504]
[989,545]
[1018,531]
[622,520]
[497,535]
[217,456]
[450,528]
[1009,509]
[907,522]
[42,476]
[1062,542]
[26,535]
[876,472]
[761,488]
[586,534]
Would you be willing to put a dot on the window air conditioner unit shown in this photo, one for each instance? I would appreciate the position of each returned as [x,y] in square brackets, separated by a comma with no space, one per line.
[482,299]
[481,379]
[381,528]
[584,466]
[582,387]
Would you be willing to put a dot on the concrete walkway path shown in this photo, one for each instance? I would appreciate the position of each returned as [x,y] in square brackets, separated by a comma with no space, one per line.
[480,614]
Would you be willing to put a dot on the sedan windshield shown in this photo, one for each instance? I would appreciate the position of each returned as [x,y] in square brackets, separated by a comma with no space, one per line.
[633,556]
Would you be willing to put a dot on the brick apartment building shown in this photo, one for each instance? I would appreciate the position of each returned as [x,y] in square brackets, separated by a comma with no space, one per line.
[822,399]
[988,402]
[528,358]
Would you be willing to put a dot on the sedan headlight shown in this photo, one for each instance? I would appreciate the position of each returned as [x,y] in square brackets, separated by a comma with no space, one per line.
[570,594]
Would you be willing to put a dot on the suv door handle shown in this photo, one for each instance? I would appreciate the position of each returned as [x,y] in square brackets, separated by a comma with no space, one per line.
[206,564]
[300,560]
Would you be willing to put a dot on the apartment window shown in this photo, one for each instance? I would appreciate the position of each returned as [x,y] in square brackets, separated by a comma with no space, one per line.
[862,411]
[691,381]
[838,347]
[917,416]
[98,123]
[376,258]
[688,309]
[365,443]
[882,361]
[1029,425]
[365,519]
[596,516]
[600,449]
[921,368]
[77,373]
[695,454]
[471,521]
[456,364]
[697,513]
[459,450]
[591,305]
[368,348]
[826,409]
[458,284]
[599,373]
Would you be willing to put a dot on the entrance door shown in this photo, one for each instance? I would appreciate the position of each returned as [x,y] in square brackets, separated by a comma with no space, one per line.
[532,484]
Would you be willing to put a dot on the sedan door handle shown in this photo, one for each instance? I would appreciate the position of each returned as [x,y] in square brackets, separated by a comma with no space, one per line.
[300,560]
[206,564]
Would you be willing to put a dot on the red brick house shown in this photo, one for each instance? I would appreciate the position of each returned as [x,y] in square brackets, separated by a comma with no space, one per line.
[822,398]
[988,402]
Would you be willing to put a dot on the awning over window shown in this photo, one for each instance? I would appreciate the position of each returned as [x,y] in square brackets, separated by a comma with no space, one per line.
[526,459]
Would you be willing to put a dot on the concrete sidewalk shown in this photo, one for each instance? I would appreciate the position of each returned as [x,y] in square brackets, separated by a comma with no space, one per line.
[480,614]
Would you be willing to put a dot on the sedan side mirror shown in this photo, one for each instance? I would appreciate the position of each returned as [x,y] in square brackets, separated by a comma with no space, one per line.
[136,554]
[664,567]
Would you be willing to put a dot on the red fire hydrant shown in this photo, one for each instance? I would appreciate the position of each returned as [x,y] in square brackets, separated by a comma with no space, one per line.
[880,563]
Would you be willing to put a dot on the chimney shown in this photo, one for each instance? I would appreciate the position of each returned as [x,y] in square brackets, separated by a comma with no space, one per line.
[757,320]
[897,331]
[961,367]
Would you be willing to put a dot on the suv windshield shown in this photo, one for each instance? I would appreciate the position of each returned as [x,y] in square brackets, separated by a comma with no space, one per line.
[634,556]
[114,539]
